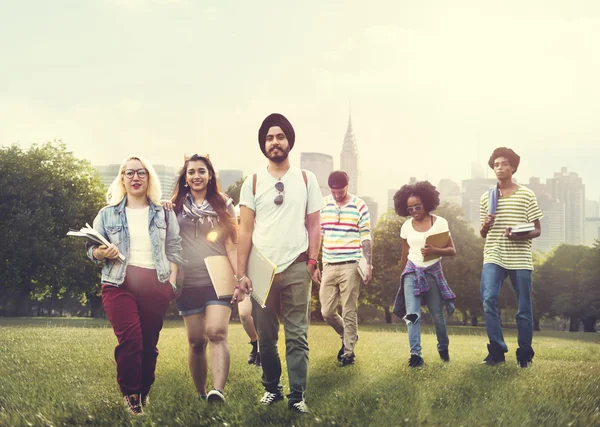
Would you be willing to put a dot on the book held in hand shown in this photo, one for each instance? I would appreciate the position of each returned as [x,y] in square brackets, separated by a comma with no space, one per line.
[261,271]
[221,275]
[362,267]
[93,237]
[438,240]
[522,228]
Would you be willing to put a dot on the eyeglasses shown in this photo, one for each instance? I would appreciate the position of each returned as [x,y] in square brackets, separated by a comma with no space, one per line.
[130,173]
[417,208]
[280,189]
[188,156]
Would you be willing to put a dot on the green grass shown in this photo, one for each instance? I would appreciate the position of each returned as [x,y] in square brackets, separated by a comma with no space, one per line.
[61,372]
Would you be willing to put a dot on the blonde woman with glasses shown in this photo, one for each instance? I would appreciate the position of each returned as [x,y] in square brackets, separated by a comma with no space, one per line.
[136,291]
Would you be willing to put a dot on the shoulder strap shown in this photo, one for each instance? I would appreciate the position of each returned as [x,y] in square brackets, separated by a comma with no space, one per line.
[305,179]
[254,185]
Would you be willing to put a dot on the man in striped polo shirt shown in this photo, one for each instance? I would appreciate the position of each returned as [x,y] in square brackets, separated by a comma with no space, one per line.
[507,253]
[346,230]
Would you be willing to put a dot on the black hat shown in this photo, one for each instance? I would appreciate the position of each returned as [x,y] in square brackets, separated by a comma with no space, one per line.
[338,179]
[276,119]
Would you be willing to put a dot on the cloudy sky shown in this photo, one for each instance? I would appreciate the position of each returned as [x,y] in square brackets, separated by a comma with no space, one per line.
[433,85]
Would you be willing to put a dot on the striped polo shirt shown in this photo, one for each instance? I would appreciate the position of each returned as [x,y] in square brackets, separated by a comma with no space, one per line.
[344,229]
[518,208]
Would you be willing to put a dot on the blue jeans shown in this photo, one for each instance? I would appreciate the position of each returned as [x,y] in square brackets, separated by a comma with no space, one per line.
[492,276]
[434,301]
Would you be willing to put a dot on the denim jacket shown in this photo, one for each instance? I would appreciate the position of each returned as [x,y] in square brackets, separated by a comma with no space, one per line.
[111,222]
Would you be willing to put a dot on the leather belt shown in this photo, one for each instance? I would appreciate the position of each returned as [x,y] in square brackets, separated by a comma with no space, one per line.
[303,257]
[342,262]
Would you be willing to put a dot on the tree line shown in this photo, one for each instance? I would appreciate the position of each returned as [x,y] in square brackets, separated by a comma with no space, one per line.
[45,191]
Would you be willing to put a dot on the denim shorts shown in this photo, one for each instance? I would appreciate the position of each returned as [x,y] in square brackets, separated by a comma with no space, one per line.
[194,300]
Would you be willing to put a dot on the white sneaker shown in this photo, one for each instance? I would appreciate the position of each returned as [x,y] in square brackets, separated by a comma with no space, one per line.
[215,396]
[299,407]
[270,398]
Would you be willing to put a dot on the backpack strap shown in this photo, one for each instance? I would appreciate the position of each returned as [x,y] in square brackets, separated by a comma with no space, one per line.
[254,185]
[305,179]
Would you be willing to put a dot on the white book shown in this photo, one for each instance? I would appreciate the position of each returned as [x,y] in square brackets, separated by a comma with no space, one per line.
[93,237]
[261,271]
[362,267]
[522,228]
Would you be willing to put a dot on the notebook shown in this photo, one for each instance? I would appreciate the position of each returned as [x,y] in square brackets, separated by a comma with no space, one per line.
[438,240]
[261,271]
[221,275]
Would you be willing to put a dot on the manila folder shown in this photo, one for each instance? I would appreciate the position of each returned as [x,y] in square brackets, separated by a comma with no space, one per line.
[438,240]
[221,275]
[261,272]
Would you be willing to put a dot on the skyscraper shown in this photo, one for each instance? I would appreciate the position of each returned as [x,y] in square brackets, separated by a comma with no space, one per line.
[321,165]
[553,222]
[449,192]
[349,157]
[568,188]
[373,210]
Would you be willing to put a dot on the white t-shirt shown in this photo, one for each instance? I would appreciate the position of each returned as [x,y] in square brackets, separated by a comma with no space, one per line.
[416,239]
[140,247]
[279,231]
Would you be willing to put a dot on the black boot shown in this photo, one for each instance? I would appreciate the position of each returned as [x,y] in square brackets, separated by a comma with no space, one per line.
[444,355]
[253,353]
[525,357]
[495,355]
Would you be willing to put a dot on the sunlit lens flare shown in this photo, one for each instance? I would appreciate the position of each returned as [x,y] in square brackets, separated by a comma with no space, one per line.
[212,236]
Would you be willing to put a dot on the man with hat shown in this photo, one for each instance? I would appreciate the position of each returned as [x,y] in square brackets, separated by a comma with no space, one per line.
[346,230]
[280,215]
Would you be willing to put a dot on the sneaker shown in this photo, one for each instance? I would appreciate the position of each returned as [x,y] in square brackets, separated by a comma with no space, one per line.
[340,354]
[270,398]
[444,355]
[415,361]
[347,359]
[495,355]
[201,396]
[298,407]
[524,358]
[133,403]
[145,400]
[215,396]
[253,354]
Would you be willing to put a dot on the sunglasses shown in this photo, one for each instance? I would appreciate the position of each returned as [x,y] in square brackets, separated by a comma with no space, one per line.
[417,208]
[130,173]
[188,156]
[280,189]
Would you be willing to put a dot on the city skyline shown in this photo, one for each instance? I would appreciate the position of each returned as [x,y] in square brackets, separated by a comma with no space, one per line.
[432,88]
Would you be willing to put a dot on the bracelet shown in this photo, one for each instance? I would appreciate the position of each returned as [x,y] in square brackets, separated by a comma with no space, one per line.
[240,279]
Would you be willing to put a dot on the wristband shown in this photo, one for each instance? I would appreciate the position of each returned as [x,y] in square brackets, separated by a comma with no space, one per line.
[312,261]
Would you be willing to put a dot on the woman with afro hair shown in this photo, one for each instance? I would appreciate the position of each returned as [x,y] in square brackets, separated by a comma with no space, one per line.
[422,280]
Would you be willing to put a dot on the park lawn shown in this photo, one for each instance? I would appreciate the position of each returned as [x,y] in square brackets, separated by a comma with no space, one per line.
[61,372]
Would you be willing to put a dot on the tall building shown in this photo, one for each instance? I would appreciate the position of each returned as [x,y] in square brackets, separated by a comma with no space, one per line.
[227,177]
[373,210]
[321,165]
[449,192]
[472,189]
[568,188]
[592,209]
[391,192]
[349,158]
[553,222]
[167,176]
[592,231]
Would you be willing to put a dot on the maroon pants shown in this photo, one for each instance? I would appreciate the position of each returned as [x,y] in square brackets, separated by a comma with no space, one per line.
[136,310]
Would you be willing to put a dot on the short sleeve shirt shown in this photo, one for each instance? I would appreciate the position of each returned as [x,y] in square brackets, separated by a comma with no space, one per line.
[518,208]
[279,230]
[416,239]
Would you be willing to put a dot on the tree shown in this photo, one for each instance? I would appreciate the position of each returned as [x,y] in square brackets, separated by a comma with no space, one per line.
[234,191]
[568,285]
[387,251]
[44,192]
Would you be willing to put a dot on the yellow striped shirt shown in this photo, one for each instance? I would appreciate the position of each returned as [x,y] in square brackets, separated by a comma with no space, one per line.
[520,207]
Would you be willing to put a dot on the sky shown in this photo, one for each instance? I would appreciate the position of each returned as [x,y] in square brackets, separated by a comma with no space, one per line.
[432,85]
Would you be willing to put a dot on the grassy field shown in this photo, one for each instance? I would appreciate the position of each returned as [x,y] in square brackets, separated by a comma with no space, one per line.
[61,372]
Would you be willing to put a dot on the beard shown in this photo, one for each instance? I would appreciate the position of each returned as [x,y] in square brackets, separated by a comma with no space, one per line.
[278,158]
